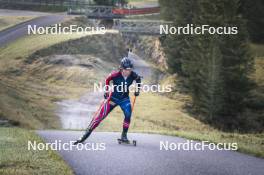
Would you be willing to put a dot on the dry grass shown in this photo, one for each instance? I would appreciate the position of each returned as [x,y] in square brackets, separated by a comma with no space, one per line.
[11,55]
[26,99]
[9,21]
[16,159]
[29,90]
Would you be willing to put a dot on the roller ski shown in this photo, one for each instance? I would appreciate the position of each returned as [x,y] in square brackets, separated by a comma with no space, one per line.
[124,140]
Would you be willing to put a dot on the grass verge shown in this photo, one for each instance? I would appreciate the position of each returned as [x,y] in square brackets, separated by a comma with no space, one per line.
[9,21]
[11,54]
[27,99]
[16,159]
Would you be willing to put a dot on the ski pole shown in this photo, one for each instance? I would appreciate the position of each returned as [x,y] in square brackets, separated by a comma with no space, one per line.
[133,103]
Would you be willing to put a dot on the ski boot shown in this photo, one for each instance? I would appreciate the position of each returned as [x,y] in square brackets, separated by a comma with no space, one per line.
[84,137]
[124,137]
[124,140]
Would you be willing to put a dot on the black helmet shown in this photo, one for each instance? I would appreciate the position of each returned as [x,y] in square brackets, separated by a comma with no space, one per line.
[126,63]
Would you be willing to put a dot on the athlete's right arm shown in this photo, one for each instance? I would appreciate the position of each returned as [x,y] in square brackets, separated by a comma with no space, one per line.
[107,82]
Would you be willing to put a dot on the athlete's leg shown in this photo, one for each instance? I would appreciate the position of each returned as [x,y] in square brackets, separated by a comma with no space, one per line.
[126,108]
[104,110]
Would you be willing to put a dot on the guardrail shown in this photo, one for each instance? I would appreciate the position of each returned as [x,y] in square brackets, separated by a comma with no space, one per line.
[143,27]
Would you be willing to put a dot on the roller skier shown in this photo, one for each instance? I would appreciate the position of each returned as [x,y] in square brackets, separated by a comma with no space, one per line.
[124,77]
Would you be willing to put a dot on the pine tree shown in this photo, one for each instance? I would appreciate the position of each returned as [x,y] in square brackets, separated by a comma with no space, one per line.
[253,12]
[217,67]
[177,11]
[238,63]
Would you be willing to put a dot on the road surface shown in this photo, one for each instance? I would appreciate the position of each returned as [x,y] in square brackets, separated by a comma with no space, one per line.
[147,158]
[20,30]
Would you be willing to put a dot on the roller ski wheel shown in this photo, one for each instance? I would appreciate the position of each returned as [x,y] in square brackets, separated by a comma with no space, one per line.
[128,142]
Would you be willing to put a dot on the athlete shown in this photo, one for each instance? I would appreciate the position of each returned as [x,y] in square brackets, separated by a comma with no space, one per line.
[121,80]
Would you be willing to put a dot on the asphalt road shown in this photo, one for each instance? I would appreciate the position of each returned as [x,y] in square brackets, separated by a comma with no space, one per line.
[147,158]
[13,33]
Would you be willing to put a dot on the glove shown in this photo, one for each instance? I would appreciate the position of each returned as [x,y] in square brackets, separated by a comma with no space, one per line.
[136,94]
[106,95]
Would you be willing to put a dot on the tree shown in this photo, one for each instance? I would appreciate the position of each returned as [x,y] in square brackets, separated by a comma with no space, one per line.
[253,12]
[217,67]
[180,12]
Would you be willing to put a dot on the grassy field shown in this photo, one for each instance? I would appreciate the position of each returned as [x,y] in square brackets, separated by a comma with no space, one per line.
[16,159]
[9,21]
[12,54]
[139,3]
[29,90]
[258,51]
[26,99]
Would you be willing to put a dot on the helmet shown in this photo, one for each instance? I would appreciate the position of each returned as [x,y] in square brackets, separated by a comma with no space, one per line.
[126,63]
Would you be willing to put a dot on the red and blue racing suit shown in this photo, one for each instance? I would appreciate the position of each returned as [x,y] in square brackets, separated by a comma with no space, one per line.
[118,97]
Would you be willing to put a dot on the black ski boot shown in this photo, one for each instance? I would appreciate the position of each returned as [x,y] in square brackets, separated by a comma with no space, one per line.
[84,137]
[124,137]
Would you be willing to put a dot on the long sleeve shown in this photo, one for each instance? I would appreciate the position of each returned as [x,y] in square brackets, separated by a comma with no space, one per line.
[110,78]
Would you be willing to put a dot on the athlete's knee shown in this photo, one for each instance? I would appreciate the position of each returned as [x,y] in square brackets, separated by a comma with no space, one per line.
[127,115]
[128,111]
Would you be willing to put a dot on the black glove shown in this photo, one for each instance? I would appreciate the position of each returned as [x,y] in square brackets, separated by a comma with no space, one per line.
[136,93]
[106,95]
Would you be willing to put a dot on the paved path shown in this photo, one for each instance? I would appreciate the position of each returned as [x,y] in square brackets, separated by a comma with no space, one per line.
[20,30]
[148,159]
